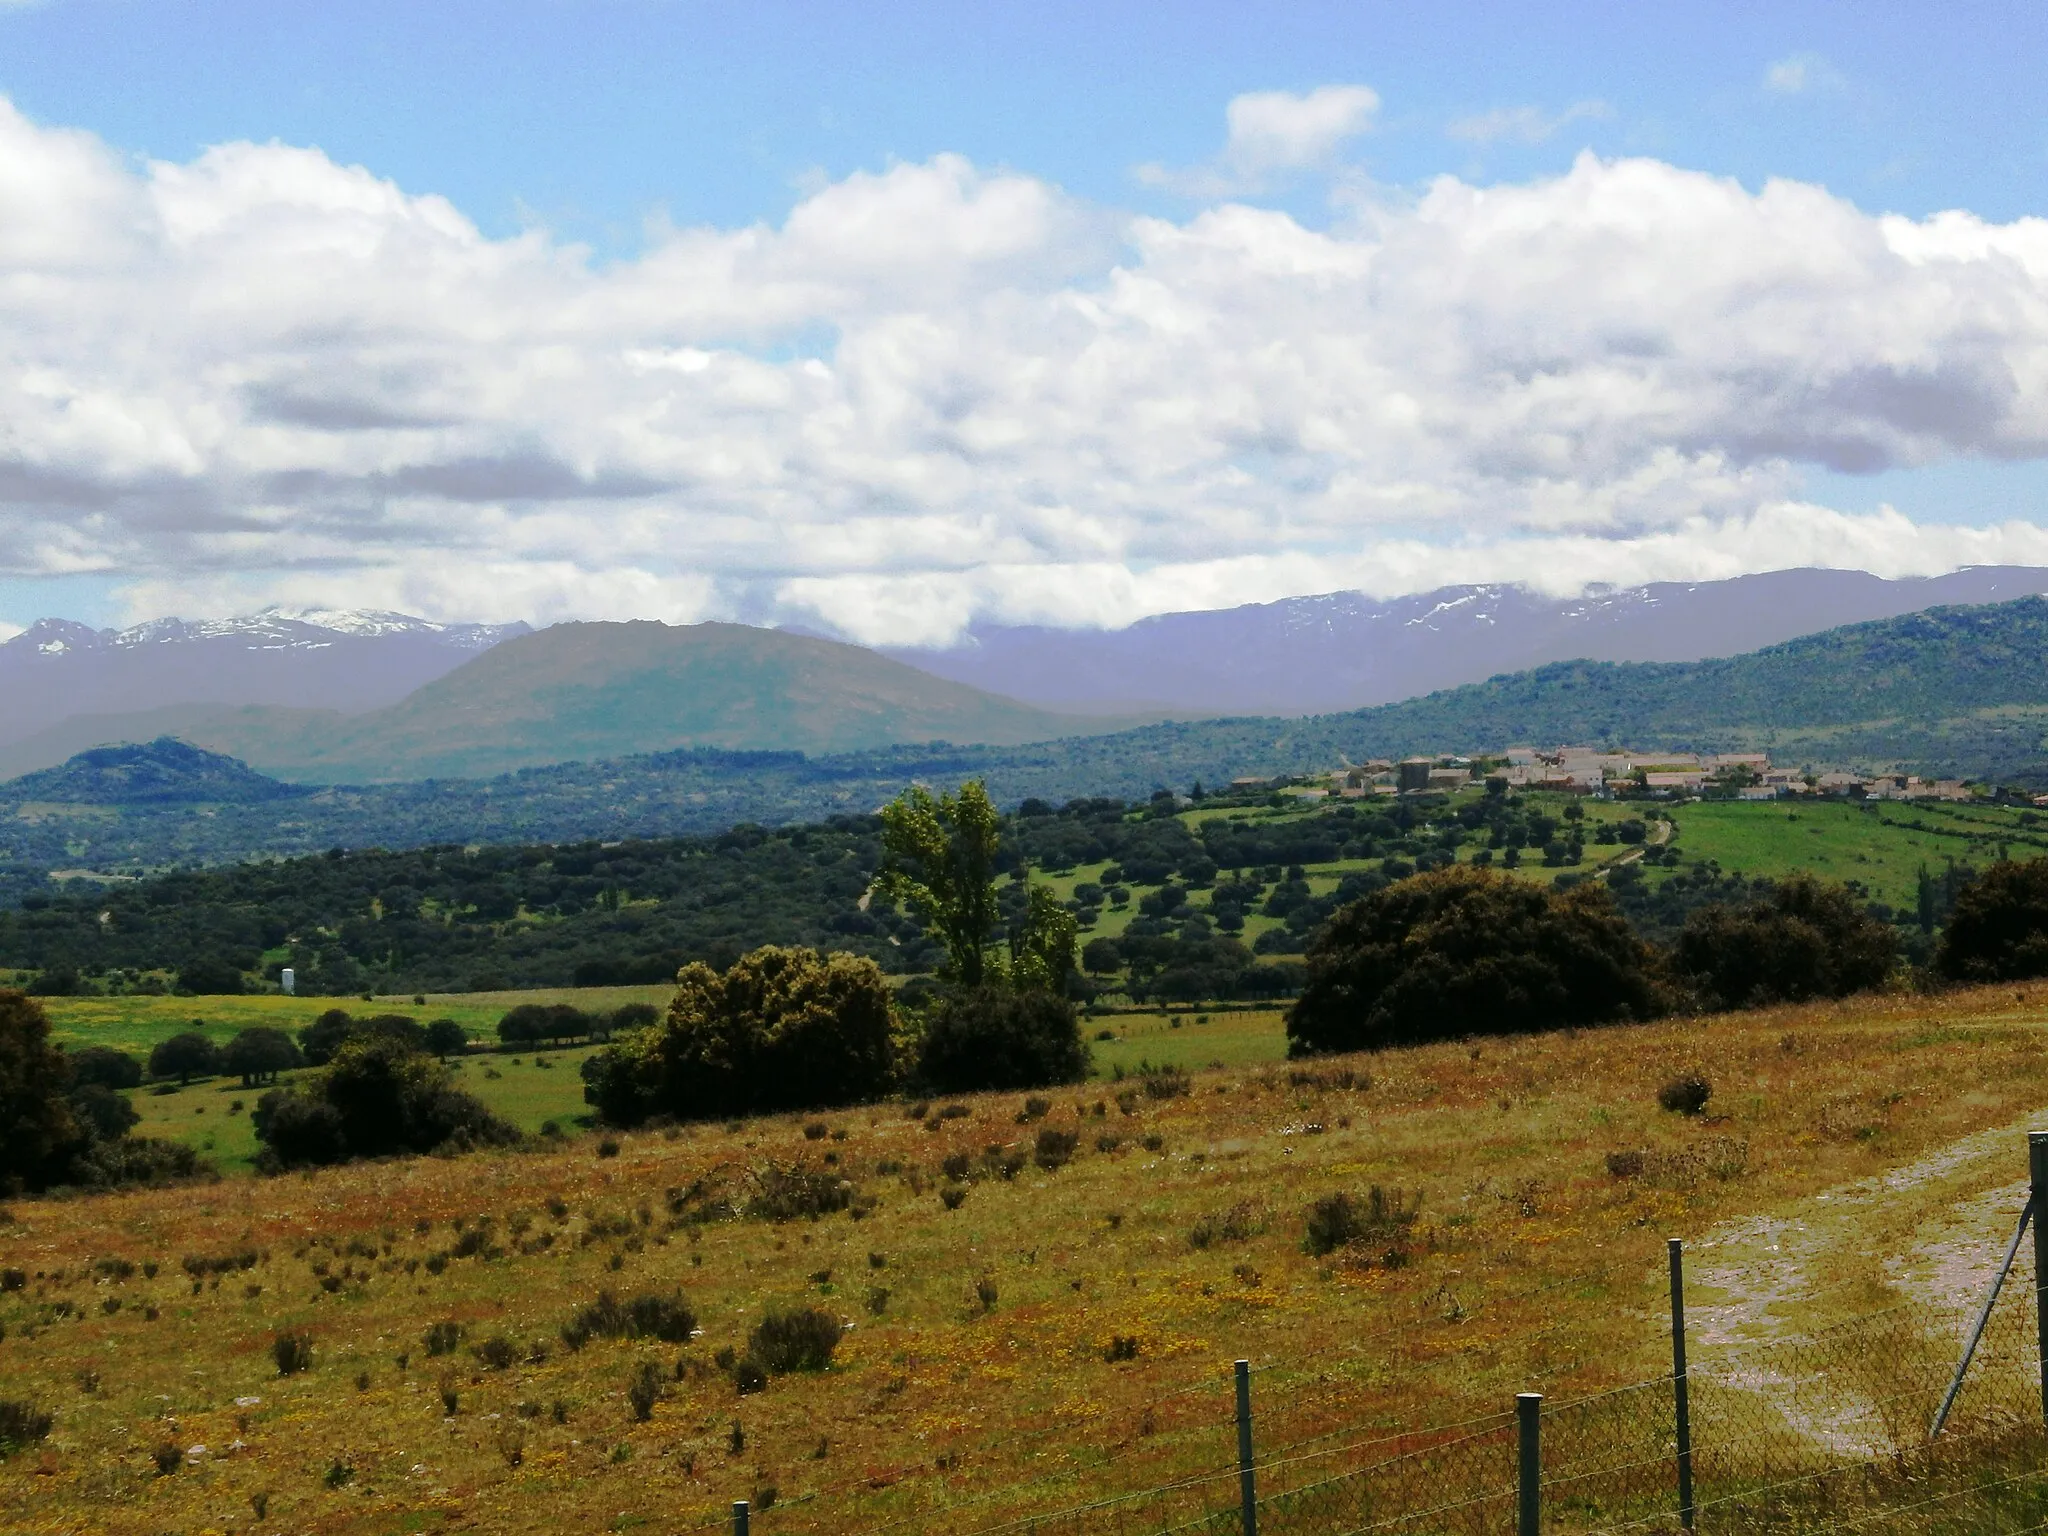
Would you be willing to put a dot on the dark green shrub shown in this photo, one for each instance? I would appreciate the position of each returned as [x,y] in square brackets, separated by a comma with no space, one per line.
[497,1352]
[786,1194]
[105,1067]
[102,1113]
[800,1340]
[292,1352]
[648,1316]
[1054,1148]
[1686,1094]
[781,1029]
[995,1038]
[378,1096]
[1337,1221]
[21,1424]
[167,1457]
[645,1390]
[1462,951]
[442,1338]
[1998,930]
[1805,939]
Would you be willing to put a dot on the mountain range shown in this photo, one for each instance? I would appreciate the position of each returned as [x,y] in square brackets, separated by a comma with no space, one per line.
[334,697]
[1344,650]
[57,670]
[586,692]
[1954,692]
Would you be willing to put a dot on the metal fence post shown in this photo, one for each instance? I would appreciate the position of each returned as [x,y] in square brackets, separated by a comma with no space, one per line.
[1529,1472]
[1681,1388]
[2037,1177]
[739,1517]
[1247,1479]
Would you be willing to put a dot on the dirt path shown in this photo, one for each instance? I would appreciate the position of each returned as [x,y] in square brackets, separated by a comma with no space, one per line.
[1934,1230]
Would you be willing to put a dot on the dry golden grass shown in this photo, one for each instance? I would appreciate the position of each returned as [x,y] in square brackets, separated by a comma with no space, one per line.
[950,1409]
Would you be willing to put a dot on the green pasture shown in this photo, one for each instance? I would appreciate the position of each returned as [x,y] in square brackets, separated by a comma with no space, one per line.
[1196,1039]
[1883,844]
[212,1115]
[137,1023]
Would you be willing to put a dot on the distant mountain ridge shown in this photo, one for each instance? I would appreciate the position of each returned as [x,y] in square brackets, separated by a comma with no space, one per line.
[1345,650]
[349,660]
[588,692]
[1955,692]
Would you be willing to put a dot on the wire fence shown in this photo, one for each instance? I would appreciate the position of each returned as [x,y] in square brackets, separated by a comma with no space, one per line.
[1828,1429]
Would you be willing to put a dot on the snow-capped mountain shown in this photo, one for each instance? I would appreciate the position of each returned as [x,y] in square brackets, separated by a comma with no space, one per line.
[1345,650]
[315,658]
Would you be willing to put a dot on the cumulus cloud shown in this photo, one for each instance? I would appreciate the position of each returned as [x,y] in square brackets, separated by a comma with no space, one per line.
[1523,125]
[1271,132]
[934,393]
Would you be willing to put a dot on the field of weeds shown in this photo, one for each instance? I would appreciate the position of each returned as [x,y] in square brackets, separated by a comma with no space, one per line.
[1039,1300]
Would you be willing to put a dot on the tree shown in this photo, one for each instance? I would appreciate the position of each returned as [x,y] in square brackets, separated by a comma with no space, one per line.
[1463,951]
[105,1067]
[542,1021]
[325,1035]
[938,858]
[376,1098]
[1998,928]
[184,1057]
[1804,939]
[1102,957]
[780,1029]
[102,1113]
[210,977]
[993,1038]
[447,1038]
[259,1054]
[36,1124]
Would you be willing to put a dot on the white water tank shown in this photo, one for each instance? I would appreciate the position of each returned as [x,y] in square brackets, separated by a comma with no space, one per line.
[288,981]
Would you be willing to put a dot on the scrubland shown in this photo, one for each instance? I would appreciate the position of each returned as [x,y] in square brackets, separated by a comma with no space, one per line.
[1022,1332]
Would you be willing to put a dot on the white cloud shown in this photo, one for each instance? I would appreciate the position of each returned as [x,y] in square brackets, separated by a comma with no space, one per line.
[1272,132]
[1799,73]
[934,392]
[1525,125]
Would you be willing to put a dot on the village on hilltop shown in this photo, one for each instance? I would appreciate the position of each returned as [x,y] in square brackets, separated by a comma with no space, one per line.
[1625,774]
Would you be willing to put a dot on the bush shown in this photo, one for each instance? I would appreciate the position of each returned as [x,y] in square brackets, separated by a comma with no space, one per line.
[1998,930]
[799,1340]
[102,1113]
[377,1097]
[1464,951]
[648,1316]
[104,1067]
[293,1352]
[184,1057]
[1055,1148]
[21,1424]
[781,1029]
[1337,1221]
[993,1038]
[645,1390]
[1686,1094]
[443,1338]
[1805,939]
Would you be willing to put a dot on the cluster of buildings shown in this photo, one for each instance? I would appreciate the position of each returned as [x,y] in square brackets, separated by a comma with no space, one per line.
[1591,771]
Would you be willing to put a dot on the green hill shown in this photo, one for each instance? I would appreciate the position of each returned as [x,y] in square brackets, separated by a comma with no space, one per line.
[594,691]
[161,772]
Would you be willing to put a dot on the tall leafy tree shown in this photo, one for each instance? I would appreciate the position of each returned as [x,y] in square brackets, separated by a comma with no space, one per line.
[939,859]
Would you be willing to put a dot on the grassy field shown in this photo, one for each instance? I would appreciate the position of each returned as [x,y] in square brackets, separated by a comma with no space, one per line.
[1052,1336]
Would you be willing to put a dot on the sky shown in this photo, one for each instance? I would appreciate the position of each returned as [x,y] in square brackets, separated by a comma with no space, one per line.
[890,320]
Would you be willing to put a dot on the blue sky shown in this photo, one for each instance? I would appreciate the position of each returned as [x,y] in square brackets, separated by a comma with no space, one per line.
[612,126]
[590,116]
